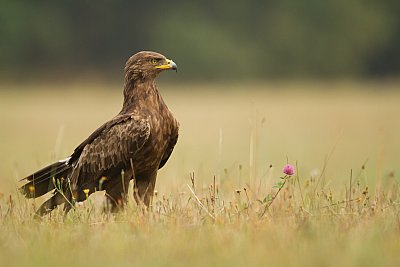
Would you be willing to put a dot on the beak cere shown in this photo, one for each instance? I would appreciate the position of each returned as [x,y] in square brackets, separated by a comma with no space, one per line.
[169,66]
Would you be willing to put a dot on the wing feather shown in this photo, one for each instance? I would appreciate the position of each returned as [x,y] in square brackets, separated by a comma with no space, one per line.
[113,145]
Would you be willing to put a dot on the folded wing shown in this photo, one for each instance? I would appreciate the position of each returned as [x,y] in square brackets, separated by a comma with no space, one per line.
[113,146]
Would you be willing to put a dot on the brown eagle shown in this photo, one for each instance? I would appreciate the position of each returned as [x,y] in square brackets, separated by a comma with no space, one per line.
[133,145]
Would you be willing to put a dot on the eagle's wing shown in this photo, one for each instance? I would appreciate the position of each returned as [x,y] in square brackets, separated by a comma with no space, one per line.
[113,143]
[170,148]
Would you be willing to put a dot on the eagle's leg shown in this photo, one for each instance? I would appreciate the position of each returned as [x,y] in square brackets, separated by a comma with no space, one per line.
[116,191]
[50,204]
[143,189]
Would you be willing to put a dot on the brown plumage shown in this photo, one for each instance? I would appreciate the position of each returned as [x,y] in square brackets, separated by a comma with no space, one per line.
[133,145]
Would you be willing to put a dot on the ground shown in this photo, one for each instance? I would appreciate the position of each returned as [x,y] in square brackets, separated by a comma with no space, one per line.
[339,209]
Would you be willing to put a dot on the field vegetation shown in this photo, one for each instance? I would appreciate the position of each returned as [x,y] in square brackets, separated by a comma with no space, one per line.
[222,199]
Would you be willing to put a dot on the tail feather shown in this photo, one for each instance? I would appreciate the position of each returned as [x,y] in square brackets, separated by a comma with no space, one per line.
[41,181]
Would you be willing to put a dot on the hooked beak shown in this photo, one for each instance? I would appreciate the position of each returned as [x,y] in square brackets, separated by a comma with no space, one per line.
[170,65]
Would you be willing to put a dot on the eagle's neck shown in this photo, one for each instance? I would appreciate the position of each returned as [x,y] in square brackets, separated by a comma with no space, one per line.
[140,94]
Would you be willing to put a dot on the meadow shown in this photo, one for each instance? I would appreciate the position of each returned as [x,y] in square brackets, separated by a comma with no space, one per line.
[222,199]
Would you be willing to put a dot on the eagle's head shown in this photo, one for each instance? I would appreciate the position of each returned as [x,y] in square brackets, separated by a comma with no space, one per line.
[147,65]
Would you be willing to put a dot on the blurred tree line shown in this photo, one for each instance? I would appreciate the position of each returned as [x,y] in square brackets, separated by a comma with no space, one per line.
[208,39]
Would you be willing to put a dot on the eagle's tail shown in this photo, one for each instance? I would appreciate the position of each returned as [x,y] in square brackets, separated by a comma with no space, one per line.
[43,180]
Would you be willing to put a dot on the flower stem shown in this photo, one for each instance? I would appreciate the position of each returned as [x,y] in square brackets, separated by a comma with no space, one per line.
[273,198]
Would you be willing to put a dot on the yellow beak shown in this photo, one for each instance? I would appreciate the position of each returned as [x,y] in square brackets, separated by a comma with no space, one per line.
[169,66]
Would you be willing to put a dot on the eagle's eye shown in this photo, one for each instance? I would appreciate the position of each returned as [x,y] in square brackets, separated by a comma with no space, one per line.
[154,61]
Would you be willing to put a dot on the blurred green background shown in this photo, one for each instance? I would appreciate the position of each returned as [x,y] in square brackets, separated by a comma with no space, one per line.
[210,40]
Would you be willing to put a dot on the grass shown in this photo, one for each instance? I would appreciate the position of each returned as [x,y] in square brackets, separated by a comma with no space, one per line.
[341,208]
